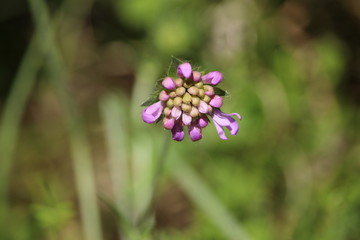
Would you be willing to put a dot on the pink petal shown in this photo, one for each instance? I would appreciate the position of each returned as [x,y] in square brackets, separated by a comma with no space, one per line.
[213,78]
[195,133]
[176,112]
[220,131]
[178,132]
[168,123]
[216,102]
[203,107]
[184,70]
[152,113]
[186,118]
[168,83]
[225,120]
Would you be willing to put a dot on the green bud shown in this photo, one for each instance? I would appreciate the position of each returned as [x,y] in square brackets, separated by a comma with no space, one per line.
[178,101]
[194,112]
[186,107]
[187,98]
[199,84]
[170,103]
[206,98]
[195,101]
[193,90]
[201,93]
[180,91]
[172,94]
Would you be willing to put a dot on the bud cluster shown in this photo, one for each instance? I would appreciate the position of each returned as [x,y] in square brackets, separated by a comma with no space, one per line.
[186,101]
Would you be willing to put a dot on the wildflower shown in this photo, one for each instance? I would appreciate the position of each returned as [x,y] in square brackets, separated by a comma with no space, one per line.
[186,101]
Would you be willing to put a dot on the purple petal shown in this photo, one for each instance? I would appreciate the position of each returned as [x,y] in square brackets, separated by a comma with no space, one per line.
[203,121]
[184,70]
[225,120]
[176,112]
[213,78]
[203,107]
[178,132]
[168,123]
[168,83]
[186,119]
[195,133]
[152,112]
[163,96]
[220,131]
[216,102]
[196,76]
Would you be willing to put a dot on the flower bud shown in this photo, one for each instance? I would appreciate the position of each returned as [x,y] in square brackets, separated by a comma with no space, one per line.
[180,91]
[168,83]
[170,103]
[163,96]
[167,111]
[186,107]
[196,76]
[195,101]
[194,112]
[203,121]
[193,90]
[178,101]
[206,98]
[168,123]
[172,94]
[187,98]
[201,93]
[199,84]
[178,82]
[209,90]
[216,102]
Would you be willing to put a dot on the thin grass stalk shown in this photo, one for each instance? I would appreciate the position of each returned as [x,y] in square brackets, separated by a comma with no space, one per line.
[11,118]
[80,151]
[202,196]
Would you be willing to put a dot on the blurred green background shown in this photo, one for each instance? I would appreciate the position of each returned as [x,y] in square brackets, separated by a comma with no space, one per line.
[77,162]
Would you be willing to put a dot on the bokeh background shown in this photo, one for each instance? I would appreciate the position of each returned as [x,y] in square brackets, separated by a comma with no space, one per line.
[77,162]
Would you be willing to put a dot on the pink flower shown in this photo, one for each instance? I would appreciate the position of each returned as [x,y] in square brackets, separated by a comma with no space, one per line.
[213,78]
[186,102]
[152,113]
[225,120]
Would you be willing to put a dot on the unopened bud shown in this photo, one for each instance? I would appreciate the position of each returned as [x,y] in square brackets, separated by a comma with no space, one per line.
[187,98]
[194,112]
[180,91]
[163,96]
[178,82]
[195,101]
[209,90]
[178,101]
[186,107]
[167,111]
[170,103]
[168,123]
[196,76]
[206,98]
[201,93]
[199,84]
[172,94]
[193,90]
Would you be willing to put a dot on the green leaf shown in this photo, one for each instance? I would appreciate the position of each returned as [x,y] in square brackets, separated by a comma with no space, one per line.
[220,92]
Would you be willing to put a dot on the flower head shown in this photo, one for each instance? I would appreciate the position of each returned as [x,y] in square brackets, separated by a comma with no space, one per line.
[187,100]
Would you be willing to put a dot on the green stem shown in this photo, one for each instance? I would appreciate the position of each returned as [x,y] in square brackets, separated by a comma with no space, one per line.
[80,151]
